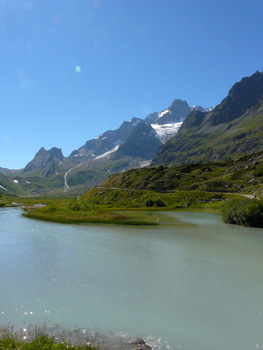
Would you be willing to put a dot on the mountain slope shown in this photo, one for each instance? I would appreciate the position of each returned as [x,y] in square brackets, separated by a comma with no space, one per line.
[233,128]
[106,141]
[142,143]
[109,141]
[10,187]
[182,185]
[132,145]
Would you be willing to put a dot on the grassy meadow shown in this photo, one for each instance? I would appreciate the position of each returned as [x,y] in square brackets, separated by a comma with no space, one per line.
[121,198]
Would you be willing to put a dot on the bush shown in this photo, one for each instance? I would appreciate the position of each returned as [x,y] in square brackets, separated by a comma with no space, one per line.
[77,206]
[50,208]
[159,203]
[259,171]
[149,203]
[246,212]
[155,203]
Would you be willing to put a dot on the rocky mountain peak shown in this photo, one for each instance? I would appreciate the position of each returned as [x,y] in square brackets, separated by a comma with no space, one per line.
[56,153]
[240,98]
[44,158]
[175,113]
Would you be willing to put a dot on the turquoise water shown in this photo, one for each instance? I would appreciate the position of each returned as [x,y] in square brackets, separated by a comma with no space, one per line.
[193,285]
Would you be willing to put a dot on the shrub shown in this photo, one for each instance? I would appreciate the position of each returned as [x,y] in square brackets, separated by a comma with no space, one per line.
[246,212]
[259,171]
[77,206]
[155,203]
[159,203]
[149,203]
[49,208]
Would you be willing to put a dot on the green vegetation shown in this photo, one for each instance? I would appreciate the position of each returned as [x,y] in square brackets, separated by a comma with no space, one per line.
[10,340]
[243,175]
[151,200]
[74,211]
[6,200]
[7,186]
[43,342]
[120,197]
[246,212]
[42,182]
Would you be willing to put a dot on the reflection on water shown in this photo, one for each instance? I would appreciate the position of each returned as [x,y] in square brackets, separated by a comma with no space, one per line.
[197,285]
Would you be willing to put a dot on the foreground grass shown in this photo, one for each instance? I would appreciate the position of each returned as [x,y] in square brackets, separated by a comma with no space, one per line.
[37,339]
[41,342]
[57,337]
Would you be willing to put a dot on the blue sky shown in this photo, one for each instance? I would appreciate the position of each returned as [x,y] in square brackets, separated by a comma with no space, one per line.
[72,69]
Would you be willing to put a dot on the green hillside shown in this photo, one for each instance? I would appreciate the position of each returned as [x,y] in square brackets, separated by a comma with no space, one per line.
[195,186]
[181,186]
[10,187]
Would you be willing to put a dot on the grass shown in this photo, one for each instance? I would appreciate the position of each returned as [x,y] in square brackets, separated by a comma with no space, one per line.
[57,337]
[79,212]
[120,207]
[42,342]
[36,339]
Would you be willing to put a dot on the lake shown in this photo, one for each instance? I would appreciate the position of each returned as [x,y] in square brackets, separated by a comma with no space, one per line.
[194,283]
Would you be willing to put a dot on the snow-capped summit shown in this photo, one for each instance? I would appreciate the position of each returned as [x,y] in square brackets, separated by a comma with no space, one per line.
[165,124]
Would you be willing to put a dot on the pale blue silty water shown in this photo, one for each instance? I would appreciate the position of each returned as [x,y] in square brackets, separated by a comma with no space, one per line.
[197,286]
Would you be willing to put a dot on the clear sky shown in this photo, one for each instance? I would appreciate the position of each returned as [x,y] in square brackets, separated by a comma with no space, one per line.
[72,69]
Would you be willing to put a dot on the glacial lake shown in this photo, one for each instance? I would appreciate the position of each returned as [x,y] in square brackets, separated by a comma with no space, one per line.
[195,284]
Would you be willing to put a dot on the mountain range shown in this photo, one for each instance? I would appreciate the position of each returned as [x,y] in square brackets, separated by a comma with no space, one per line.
[177,135]
[132,145]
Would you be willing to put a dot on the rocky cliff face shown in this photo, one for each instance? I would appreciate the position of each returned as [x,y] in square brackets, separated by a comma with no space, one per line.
[175,113]
[142,143]
[106,141]
[47,160]
[241,96]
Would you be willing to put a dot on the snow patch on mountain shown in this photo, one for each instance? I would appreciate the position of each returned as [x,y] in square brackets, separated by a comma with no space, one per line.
[144,163]
[3,187]
[161,114]
[166,131]
[106,154]
[209,109]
